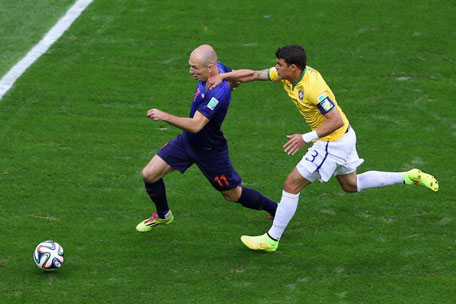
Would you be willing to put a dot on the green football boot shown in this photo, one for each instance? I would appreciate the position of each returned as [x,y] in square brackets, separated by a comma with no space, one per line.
[153,221]
[416,176]
[261,242]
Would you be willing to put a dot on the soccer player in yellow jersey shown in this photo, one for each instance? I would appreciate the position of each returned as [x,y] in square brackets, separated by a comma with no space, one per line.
[333,149]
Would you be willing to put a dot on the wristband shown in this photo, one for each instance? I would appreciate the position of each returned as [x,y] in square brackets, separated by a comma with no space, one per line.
[310,136]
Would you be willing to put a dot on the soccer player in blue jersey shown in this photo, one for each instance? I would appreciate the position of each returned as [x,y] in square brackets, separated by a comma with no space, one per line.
[202,143]
[333,151]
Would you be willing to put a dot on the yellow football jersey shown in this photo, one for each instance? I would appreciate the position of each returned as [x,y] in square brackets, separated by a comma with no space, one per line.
[312,96]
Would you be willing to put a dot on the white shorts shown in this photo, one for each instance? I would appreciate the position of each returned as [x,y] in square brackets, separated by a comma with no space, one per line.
[327,158]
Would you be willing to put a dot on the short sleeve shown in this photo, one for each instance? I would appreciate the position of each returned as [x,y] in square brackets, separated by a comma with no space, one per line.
[272,75]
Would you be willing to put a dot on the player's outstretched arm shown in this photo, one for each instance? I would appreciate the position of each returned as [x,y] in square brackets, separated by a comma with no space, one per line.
[243,75]
[193,124]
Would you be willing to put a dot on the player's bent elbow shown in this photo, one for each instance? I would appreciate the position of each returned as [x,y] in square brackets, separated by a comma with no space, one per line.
[339,123]
[197,125]
[195,129]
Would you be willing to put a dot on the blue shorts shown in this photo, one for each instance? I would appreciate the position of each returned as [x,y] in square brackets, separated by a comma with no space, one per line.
[214,164]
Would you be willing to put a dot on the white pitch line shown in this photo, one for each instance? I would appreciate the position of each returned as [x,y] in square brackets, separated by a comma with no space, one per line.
[52,36]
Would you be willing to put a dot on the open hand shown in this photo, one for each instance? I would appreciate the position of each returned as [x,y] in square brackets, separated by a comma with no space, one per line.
[213,81]
[294,144]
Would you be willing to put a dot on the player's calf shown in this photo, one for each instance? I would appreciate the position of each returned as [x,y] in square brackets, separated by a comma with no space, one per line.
[253,199]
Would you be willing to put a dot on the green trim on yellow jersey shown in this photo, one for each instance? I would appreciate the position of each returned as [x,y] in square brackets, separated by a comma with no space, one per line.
[300,78]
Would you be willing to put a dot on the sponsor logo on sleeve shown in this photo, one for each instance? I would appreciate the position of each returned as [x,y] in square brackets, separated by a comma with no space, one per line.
[212,103]
[322,97]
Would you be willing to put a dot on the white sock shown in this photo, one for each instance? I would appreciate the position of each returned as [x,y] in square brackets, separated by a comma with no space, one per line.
[376,179]
[285,211]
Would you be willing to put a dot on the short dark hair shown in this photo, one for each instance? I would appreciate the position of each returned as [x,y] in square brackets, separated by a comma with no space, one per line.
[292,54]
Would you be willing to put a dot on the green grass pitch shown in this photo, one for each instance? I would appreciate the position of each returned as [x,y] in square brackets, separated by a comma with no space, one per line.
[74,137]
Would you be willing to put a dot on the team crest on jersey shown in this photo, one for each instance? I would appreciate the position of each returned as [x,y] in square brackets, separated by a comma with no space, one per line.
[212,103]
[301,94]
[196,94]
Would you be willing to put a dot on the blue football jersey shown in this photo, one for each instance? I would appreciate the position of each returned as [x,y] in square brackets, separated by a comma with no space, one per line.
[214,105]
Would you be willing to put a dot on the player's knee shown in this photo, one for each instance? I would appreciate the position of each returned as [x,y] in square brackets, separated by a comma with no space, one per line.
[232,197]
[228,197]
[149,176]
[349,188]
[290,186]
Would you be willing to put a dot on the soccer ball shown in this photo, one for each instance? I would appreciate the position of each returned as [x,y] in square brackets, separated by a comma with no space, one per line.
[48,255]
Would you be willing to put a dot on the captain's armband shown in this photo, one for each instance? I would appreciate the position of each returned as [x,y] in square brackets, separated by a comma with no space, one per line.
[326,104]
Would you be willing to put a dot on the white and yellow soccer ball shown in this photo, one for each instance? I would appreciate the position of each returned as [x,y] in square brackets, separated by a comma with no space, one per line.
[48,255]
